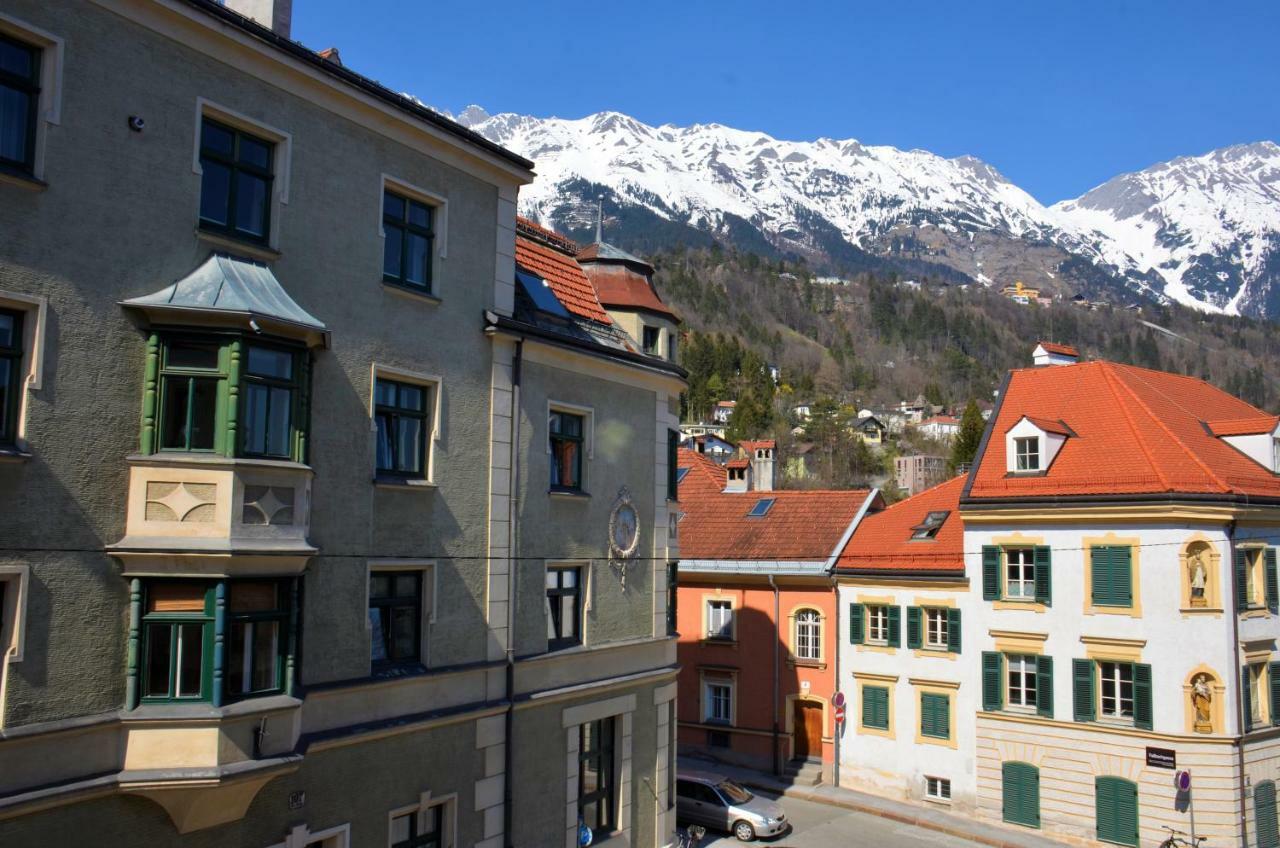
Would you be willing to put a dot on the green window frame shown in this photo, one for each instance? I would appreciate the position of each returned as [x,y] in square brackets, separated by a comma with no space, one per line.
[1020,793]
[419,829]
[1116,801]
[1112,575]
[258,619]
[192,412]
[875,707]
[402,417]
[12,383]
[1264,814]
[19,103]
[595,776]
[564,607]
[673,462]
[935,715]
[409,247]
[270,396]
[235,182]
[567,444]
[177,641]
[395,618]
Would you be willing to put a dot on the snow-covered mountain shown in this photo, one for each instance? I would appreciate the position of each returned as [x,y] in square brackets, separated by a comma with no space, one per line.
[1200,230]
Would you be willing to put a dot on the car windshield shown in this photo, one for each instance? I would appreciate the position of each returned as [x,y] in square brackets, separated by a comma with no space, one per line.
[735,793]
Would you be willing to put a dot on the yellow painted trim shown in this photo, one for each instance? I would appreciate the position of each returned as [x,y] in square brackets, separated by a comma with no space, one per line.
[937,688]
[735,602]
[881,681]
[1257,578]
[875,649]
[936,603]
[1014,642]
[1213,578]
[1014,540]
[1021,606]
[1135,553]
[791,634]
[1118,513]
[1109,648]
[1095,727]
[877,600]
[933,654]
[874,677]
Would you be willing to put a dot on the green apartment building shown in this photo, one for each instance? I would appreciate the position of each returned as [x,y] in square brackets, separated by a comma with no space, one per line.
[321,522]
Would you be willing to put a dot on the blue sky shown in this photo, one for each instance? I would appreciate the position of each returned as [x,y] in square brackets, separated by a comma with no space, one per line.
[1057,96]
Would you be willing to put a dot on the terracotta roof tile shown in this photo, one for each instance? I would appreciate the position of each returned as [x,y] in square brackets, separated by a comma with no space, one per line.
[1050,426]
[560,269]
[1243,426]
[800,526]
[1060,349]
[1136,431]
[883,540]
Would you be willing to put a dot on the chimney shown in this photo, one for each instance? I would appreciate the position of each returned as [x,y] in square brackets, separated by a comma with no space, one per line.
[276,15]
[1052,353]
[762,466]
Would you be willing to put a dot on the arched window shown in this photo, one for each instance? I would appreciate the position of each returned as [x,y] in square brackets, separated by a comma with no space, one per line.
[808,635]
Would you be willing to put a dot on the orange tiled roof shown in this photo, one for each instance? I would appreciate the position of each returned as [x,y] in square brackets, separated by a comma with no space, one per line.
[883,540]
[623,288]
[1060,349]
[559,268]
[1244,426]
[800,526]
[1134,431]
[753,444]
[941,419]
[737,463]
[1050,426]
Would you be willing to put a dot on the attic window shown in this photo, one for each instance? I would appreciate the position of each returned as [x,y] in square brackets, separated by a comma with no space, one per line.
[737,473]
[932,523]
[762,506]
[681,473]
[540,294]
[1027,452]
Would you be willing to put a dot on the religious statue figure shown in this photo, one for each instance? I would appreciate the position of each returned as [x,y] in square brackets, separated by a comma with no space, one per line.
[1202,700]
[1199,576]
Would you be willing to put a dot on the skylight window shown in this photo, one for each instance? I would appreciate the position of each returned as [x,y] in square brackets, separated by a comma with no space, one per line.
[762,506]
[681,473]
[932,523]
[537,290]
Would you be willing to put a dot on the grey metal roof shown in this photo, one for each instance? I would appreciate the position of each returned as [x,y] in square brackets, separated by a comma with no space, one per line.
[795,568]
[235,288]
[604,250]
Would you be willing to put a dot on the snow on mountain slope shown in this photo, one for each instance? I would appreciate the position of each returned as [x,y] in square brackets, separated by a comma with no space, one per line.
[1202,230]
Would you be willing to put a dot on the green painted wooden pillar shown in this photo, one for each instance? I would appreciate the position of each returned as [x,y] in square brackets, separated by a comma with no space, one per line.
[291,656]
[219,639]
[233,397]
[303,424]
[150,396]
[132,683]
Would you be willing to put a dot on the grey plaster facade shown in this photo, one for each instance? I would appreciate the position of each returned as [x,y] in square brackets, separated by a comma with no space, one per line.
[478,726]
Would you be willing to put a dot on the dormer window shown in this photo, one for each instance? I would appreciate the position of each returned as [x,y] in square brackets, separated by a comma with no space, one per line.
[1027,452]
[737,473]
[928,529]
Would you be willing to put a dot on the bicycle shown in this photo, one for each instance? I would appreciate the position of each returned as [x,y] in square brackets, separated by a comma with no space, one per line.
[690,837]
[1178,837]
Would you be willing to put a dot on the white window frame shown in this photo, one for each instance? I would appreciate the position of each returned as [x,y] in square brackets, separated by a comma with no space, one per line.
[816,626]
[880,612]
[937,788]
[35,322]
[426,803]
[427,603]
[439,204]
[731,619]
[1024,665]
[936,628]
[300,836]
[1022,457]
[1026,564]
[49,108]
[281,161]
[435,387]
[709,700]
[1116,682]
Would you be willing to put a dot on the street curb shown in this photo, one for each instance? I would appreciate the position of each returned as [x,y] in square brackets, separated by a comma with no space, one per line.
[892,815]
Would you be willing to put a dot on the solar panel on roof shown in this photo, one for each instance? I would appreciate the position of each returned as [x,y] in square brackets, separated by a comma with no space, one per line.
[544,299]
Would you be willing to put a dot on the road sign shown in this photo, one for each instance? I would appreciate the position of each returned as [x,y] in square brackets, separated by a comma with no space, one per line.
[1165,758]
[838,699]
[839,713]
[1184,781]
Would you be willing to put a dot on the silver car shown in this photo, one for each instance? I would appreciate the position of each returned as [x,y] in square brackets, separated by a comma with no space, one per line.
[714,801]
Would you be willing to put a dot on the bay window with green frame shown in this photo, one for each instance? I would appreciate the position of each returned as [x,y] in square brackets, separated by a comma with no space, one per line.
[226,395]
[179,626]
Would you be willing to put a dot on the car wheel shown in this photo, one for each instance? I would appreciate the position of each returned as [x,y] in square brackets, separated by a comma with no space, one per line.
[744,831]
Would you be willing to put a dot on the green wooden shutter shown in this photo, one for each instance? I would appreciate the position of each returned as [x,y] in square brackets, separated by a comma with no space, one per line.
[1044,686]
[990,573]
[857,624]
[875,707]
[1246,692]
[1273,590]
[1020,787]
[1264,815]
[1273,684]
[1117,810]
[882,709]
[1242,580]
[1112,567]
[1122,575]
[1142,713]
[992,680]
[1044,575]
[914,614]
[953,630]
[1083,703]
[868,707]
[935,715]
[894,615]
[1100,574]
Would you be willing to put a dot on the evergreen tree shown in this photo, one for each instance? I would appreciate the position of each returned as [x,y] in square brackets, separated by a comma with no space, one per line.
[965,448]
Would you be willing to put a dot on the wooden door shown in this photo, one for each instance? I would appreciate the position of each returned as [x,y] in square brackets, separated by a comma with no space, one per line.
[808,729]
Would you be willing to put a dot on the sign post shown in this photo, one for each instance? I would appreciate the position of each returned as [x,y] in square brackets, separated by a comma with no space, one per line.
[1183,784]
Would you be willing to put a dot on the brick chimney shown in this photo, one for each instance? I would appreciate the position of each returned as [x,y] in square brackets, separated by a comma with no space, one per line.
[277,15]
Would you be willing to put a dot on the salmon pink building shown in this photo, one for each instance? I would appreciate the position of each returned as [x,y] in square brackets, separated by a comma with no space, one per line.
[757,613]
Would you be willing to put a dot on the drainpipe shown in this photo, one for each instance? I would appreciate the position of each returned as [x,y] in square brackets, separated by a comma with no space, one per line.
[835,651]
[1234,609]
[777,626]
[508,752]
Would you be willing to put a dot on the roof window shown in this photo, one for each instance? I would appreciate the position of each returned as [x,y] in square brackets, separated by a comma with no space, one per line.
[762,506]
[681,473]
[932,523]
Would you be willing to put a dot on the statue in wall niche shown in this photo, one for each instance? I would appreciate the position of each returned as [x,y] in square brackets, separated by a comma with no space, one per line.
[1202,700]
[1198,573]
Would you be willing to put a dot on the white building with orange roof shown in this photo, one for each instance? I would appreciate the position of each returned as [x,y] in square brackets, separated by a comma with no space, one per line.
[1120,526]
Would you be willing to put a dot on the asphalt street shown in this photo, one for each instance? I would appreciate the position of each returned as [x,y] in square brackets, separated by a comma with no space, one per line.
[823,826]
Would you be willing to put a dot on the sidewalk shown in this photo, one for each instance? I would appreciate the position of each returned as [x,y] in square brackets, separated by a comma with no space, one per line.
[917,815]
